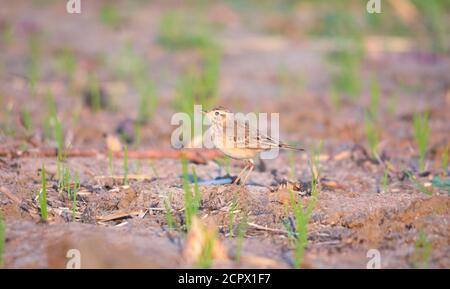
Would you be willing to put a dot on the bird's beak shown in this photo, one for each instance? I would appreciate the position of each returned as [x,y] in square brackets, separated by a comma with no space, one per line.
[204,112]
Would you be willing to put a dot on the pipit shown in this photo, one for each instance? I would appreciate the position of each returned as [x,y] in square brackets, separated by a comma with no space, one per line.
[242,141]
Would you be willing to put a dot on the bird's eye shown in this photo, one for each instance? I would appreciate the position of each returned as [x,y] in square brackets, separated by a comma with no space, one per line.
[217,113]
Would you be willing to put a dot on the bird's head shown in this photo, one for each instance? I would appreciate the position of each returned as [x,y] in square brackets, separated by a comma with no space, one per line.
[217,115]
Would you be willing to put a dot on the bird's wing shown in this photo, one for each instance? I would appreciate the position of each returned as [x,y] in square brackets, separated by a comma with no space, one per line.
[243,137]
[252,137]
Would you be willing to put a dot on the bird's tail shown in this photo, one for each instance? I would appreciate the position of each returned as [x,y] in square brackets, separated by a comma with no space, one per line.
[286,146]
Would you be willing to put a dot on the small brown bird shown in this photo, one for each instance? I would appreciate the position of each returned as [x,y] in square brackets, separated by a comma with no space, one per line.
[244,142]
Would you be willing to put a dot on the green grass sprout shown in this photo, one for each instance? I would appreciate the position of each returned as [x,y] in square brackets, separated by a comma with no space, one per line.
[206,257]
[385,181]
[2,238]
[170,219]
[179,32]
[43,195]
[94,90]
[336,99]
[422,252]
[445,161]
[374,99]
[421,134]
[191,199]
[299,234]
[76,188]
[110,16]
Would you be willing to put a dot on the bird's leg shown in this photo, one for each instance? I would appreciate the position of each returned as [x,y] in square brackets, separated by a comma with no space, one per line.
[238,178]
[252,166]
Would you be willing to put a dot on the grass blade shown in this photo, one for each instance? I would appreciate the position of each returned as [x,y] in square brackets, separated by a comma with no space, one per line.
[421,133]
[43,196]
